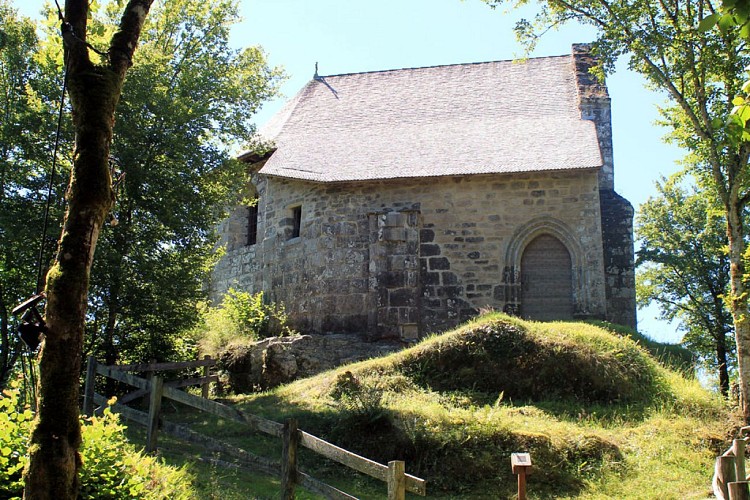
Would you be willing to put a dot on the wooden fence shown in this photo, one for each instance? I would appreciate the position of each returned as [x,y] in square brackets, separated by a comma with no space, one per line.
[292,437]
[730,480]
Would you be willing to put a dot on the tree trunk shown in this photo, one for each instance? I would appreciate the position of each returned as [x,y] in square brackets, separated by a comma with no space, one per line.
[54,459]
[738,301]
[52,472]
[721,359]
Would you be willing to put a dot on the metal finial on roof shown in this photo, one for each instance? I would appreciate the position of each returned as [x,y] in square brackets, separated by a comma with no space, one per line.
[315,76]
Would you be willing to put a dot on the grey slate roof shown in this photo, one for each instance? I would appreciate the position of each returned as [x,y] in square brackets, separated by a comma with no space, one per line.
[480,118]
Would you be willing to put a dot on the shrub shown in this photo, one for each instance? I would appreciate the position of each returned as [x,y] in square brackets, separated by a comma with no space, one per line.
[361,401]
[240,316]
[15,424]
[112,468]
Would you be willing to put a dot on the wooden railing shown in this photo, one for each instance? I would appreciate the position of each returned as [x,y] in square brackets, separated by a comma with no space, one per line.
[292,437]
[205,381]
[730,480]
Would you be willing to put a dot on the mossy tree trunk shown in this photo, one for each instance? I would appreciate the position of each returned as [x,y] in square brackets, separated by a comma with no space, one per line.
[94,90]
[738,301]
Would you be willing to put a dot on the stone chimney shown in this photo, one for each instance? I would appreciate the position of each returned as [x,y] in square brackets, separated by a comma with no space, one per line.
[616,212]
[594,103]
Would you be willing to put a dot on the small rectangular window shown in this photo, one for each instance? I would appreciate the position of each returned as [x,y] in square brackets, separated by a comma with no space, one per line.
[252,224]
[297,221]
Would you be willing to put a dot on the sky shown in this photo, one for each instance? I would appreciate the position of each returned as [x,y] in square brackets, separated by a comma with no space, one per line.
[349,36]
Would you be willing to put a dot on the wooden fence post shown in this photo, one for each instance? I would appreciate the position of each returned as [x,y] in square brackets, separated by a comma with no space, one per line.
[396,480]
[206,373]
[156,386]
[90,387]
[289,459]
[724,474]
[739,491]
[738,448]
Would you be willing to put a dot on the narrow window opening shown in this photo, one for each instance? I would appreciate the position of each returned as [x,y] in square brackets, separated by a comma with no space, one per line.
[252,224]
[297,221]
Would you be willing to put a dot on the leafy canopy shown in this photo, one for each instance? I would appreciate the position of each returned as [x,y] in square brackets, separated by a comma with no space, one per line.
[684,269]
[186,106]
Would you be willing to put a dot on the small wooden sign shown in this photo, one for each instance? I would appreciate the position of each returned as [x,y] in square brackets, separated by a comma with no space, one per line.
[520,462]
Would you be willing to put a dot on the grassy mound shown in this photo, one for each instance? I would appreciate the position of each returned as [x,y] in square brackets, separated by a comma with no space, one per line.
[599,415]
[529,362]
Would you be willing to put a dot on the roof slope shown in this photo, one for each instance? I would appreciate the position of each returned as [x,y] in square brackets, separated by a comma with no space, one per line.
[495,117]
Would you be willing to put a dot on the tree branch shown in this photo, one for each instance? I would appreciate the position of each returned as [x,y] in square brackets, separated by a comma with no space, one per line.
[124,41]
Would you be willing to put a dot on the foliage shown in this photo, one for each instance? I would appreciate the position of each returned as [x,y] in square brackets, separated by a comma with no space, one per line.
[112,468]
[684,268]
[358,400]
[673,356]
[240,316]
[172,159]
[187,103]
[658,444]
[15,423]
[26,141]
[735,16]
[701,71]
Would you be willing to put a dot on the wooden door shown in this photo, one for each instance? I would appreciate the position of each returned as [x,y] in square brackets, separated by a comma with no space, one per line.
[546,280]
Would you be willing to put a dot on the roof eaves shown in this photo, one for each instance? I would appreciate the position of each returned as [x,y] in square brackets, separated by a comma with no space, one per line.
[255,157]
[322,179]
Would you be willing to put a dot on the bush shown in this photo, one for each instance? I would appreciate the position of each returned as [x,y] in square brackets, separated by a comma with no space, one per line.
[112,468]
[15,424]
[241,316]
[360,401]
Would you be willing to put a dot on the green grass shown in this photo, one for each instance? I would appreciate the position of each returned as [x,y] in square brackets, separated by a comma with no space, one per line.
[601,417]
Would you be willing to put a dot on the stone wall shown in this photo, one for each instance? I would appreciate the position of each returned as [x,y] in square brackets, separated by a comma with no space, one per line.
[616,211]
[595,105]
[619,262]
[408,257]
[274,361]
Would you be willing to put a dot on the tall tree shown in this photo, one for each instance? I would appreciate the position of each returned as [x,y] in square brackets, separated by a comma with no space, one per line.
[684,268]
[187,103]
[17,43]
[94,88]
[701,72]
[26,146]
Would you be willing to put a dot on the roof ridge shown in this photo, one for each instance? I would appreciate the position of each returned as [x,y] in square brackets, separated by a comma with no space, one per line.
[392,70]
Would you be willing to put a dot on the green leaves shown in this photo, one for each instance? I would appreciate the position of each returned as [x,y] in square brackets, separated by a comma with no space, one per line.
[734,14]
[26,127]
[187,103]
[15,424]
[112,468]
[684,266]
[709,22]
[241,316]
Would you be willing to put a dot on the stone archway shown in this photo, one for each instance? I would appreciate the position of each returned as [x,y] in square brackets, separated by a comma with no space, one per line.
[554,232]
[546,280]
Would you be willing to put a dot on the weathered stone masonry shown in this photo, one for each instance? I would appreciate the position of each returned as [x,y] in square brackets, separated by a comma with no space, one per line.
[389,258]
[422,196]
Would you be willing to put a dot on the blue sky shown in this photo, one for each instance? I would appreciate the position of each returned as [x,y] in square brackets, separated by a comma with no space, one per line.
[352,36]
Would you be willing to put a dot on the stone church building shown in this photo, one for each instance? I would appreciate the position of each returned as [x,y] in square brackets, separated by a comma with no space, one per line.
[399,203]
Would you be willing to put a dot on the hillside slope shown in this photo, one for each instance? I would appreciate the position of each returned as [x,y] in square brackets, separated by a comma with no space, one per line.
[600,417]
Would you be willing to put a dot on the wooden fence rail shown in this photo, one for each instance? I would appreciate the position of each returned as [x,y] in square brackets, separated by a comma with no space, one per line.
[117,372]
[730,481]
[292,437]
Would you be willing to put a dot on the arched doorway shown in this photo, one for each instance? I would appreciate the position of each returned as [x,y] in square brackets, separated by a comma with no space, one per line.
[546,280]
